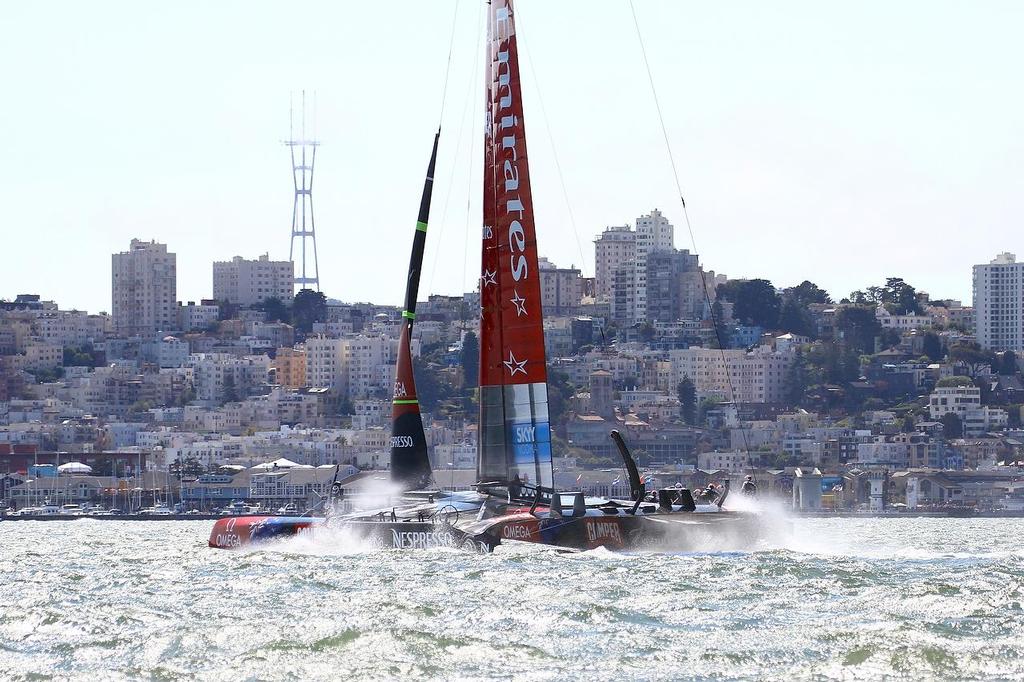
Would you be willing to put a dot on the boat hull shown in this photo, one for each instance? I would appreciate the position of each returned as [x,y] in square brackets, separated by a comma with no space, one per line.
[237,531]
[666,532]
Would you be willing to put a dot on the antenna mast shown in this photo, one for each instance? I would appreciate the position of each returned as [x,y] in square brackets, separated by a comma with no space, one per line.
[303,153]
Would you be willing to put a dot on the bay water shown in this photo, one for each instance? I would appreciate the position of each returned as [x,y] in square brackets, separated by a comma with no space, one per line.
[851,598]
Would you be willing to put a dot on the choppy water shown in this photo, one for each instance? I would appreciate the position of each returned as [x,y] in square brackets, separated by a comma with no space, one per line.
[847,599]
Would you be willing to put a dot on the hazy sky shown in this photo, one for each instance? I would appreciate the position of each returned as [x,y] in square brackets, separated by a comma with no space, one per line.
[838,142]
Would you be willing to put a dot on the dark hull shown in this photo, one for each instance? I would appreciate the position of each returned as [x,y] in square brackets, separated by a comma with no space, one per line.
[666,532]
[670,531]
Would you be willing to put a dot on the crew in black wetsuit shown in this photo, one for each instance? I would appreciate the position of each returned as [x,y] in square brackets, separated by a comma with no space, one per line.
[749,487]
[709,495]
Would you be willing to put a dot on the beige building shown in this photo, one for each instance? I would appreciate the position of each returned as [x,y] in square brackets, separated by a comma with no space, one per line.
[757,376]
[144,289]
[615,246]
[290,366]
[561,288]
[248,282]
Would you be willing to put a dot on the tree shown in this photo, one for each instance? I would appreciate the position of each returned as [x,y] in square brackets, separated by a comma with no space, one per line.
[1009,363]
[309,307]
[796,379]
[898,297]
[890,337]
[78,357]
[952,427]
[795,318]
[757,303]
[722,335]
[470,360]
[858,327]
[901,297]
[226,310]
[972,355]
[932,346]
[230,390]
[807,293]
[276,310]
[687,394]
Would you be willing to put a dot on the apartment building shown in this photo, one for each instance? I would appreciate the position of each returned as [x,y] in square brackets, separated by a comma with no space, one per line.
[144,289]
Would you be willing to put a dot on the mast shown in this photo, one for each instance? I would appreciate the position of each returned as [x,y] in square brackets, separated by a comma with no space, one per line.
[410,466]
[515,436]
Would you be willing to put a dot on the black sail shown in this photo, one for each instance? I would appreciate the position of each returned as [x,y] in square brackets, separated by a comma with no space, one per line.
[410,466]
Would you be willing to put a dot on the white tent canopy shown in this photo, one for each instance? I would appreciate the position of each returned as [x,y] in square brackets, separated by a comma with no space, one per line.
[280,464]
[74,468]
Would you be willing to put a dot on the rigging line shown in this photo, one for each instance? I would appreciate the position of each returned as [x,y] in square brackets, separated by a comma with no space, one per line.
[551,141]
[686,214]
[448,65]
[458,147]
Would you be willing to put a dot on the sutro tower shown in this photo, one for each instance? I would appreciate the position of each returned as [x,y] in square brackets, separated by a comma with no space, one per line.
[303,152]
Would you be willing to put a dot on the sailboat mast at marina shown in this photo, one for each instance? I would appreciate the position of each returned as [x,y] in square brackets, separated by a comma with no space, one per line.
[515,436]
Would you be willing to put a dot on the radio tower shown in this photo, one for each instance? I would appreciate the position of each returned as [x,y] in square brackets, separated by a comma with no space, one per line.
[303,153]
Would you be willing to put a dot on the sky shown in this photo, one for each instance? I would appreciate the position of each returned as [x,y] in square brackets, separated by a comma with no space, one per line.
[838,142]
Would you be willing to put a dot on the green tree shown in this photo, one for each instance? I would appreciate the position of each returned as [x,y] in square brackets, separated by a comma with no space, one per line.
[952,427]
[858,328]
[901,297]
[722,336]
[470,360]
[932,346]
[687,394]
[78,357]
[276,310]
[890,337]
[795,318]
[227,310]
[807,293]
[797,379]
[971,354]
[230,390]
[309,307]
[1008,363]
[757,303]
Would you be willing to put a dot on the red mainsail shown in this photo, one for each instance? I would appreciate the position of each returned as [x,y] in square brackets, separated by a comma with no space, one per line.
[515,436]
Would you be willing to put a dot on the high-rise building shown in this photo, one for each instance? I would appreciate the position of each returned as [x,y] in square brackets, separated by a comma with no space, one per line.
[674,288]
[144,289]
[999,304]
[561,288]
[615,246]
[654,233]
[248,282]
[621,250]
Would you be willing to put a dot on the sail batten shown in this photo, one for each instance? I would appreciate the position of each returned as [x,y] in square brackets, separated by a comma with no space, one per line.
[515,436]
[410,465]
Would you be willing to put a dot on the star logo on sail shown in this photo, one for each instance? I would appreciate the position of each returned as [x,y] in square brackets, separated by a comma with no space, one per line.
[519,302]
[515,365]
[489,278]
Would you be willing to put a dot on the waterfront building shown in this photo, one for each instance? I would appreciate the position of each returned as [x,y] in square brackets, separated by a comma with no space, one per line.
[144,289]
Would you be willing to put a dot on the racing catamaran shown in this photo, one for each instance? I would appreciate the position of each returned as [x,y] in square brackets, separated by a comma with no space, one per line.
[515,497]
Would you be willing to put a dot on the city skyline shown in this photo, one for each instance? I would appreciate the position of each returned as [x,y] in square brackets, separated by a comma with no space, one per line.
[899,135]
